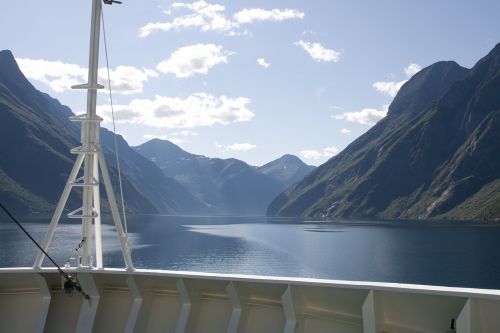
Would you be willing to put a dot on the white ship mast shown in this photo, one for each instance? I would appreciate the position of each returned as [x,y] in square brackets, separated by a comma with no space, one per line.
[89,154]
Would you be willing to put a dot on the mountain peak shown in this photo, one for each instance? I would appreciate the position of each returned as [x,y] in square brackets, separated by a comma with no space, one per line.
[10,70]
[161,143]
[288,158]
[6,55]
[489,63]
[162,149]
[495,51]
[285,160]
[426,87]
[287,167]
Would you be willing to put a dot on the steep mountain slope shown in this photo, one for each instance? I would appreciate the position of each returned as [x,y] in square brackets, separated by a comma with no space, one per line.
[164,193]
[228,186]
[434,155]
[35,139]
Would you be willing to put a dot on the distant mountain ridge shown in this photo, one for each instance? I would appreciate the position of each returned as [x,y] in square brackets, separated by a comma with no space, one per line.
[35,139]
[435,155]
[228,186]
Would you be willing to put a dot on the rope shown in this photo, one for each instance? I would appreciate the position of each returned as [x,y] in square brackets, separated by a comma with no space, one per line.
[70,283]
[114,125]
[76,251]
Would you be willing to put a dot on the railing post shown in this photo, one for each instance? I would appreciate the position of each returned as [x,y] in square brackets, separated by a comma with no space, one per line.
[290,310]
[370,313]
[234,321]
[185,307]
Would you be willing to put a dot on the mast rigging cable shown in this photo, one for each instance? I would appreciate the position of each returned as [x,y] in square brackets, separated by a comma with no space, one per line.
[114,125]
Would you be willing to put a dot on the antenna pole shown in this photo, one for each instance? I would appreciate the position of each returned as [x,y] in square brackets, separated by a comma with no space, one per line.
[90,153]
[90,138]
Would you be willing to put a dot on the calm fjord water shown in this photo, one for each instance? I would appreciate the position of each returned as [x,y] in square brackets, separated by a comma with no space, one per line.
[436,253]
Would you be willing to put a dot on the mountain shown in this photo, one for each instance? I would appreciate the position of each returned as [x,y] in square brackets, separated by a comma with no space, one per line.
[35,139]
[435,155]
[228,186]
[287,169]
[166,194]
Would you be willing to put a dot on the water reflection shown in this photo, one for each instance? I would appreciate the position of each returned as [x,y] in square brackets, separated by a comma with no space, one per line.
[455,254]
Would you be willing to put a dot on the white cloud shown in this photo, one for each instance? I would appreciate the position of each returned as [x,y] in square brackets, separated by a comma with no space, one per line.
[330,151]
[249,15]
[146,30]
[262,62]
[412,69]
[365,117]
[126,79]
[200,6]
[207,17]
[313,154]
[211,17]
[345,131]
[57,75]
[196,110]
[193,59]
[308,32]
[240,147]
[391,88]
[185,133]
[61,76]
[318,52]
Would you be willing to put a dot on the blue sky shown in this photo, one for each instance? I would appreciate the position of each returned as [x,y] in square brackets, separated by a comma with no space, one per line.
[247,79]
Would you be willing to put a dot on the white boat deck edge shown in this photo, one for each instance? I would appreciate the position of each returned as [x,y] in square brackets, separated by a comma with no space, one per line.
[145,300]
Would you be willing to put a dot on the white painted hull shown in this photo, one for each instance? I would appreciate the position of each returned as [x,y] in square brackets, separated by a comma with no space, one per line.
[168,301]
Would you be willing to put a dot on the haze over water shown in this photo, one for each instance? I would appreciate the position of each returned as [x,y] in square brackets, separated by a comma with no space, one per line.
[436,253]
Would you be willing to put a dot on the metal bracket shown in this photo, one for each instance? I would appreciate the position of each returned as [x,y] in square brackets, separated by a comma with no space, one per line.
[83,118]
[88,86]
[73,214]
[110,2]
[85,150]
[80,182]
